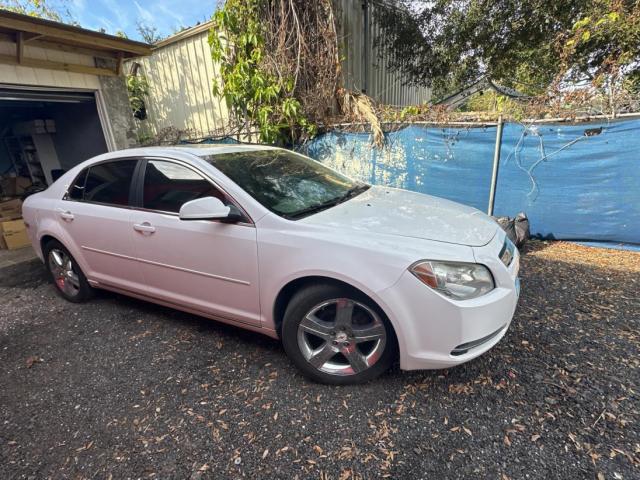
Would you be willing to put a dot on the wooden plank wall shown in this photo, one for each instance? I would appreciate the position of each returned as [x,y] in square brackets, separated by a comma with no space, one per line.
[22,75]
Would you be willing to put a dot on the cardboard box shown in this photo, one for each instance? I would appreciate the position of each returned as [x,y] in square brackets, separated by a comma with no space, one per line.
[11,209]
[13,186]
[14,234]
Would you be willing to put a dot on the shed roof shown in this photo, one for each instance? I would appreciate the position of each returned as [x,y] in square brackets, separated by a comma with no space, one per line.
[184,34]
[38,32]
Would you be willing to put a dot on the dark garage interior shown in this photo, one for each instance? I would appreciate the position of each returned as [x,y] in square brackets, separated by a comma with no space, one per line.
[43,133]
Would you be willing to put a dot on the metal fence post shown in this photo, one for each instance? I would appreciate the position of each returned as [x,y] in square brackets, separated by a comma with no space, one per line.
[366,41]
[496,166]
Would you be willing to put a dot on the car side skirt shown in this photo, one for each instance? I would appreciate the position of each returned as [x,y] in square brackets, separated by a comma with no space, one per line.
[237,323]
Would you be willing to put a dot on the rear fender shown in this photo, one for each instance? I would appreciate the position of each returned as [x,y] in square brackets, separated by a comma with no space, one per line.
[52,228]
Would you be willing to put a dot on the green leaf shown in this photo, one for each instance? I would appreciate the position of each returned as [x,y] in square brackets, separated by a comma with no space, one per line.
[614,16]
[251,92]
[583,22]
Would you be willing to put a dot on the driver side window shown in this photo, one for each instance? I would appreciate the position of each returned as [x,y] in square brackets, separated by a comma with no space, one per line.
[169,185]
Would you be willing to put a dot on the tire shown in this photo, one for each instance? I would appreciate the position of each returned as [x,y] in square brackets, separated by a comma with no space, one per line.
[69,280]
[336,335]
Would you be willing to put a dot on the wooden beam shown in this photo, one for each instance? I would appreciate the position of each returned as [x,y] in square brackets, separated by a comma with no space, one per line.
[72,34]
[63,47]
[41,42]
[29,37]
[19,47]
[67,67]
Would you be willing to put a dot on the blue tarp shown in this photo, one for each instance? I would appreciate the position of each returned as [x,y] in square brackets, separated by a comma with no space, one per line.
[575,182]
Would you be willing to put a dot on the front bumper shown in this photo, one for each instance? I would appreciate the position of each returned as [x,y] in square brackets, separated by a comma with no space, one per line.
[437,332]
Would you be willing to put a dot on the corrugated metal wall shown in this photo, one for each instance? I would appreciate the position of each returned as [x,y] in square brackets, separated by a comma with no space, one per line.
[374,76]
[180,74]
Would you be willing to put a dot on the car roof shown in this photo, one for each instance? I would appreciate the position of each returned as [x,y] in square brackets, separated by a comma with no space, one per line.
[200,150]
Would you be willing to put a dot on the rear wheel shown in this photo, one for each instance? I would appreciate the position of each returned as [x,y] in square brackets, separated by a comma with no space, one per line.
[338,336]
[66,274]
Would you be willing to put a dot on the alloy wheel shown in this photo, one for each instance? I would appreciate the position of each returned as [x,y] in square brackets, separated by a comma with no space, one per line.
[64,276]
[342,337]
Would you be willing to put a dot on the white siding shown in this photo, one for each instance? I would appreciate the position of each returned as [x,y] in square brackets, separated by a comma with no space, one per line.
[41,77]
[180,77]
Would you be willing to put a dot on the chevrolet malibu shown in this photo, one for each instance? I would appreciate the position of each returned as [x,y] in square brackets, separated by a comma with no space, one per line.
[349,276]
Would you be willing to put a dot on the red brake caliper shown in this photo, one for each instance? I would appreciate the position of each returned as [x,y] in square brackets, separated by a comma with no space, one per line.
[60,282]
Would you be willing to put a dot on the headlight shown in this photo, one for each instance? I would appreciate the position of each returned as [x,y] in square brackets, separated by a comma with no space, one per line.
[460,281]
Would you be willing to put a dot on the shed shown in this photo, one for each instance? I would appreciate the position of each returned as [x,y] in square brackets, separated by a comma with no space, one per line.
[181,73]
[63,97]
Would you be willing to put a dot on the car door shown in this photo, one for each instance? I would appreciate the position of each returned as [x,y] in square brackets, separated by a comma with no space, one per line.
[96,217]
[208,265]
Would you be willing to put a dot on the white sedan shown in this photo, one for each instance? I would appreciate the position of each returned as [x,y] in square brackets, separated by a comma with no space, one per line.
[350,277]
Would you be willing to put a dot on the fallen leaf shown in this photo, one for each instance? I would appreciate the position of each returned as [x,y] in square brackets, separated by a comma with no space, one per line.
[345,474]
[32,360]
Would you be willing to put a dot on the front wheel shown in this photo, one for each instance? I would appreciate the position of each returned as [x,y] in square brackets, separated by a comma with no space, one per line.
[336,335]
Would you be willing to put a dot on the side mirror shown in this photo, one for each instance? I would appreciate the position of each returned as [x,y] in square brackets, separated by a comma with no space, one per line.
[207,208]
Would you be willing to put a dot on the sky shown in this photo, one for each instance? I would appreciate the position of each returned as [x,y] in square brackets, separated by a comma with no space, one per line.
[168,16]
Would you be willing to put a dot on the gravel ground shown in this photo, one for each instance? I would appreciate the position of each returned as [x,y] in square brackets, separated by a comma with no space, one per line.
[119,388]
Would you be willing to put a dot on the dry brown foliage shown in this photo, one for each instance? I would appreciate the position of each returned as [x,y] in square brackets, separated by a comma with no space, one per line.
[302,43]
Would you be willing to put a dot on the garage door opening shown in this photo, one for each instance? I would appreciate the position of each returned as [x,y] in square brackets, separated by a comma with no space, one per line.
[44,133]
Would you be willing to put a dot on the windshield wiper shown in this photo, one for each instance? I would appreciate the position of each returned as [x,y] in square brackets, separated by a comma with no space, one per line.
[355,191]
[352,192]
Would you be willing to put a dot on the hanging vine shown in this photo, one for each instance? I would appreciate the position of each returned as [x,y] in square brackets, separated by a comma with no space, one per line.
[267,51]
[138,90]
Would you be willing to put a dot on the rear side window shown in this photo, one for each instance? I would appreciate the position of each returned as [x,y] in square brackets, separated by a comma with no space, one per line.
[168,185]
[109,182]
[76,190]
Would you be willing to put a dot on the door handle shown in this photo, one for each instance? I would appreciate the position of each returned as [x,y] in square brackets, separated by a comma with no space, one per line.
[144,227]
[65,214]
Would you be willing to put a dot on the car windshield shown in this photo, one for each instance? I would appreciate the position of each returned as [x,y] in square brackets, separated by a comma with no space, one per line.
[290,185]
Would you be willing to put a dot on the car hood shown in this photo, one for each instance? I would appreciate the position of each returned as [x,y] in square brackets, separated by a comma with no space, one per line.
[408,214]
